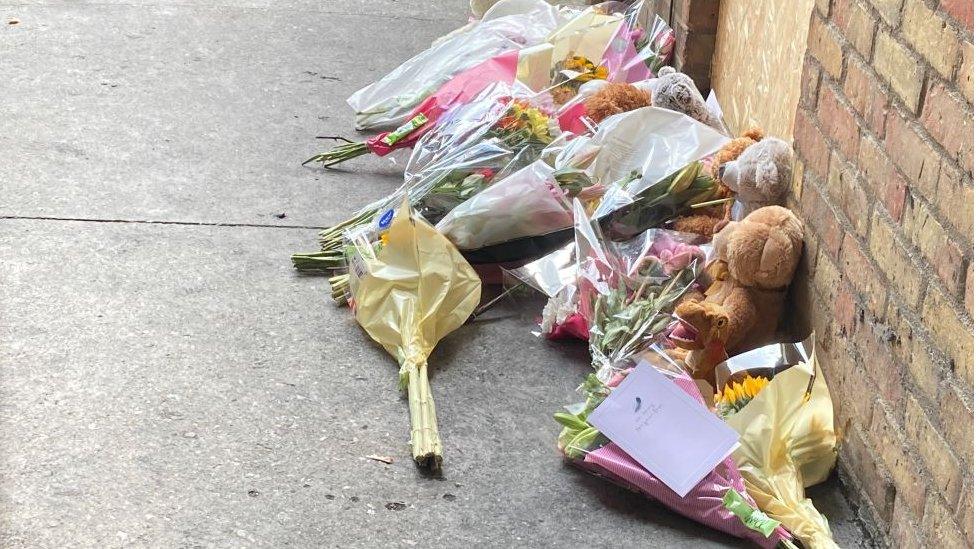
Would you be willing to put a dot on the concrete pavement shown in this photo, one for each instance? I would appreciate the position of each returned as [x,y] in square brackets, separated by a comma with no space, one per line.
[167,380]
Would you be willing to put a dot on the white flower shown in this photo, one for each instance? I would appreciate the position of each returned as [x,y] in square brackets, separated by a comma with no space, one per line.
[558,309]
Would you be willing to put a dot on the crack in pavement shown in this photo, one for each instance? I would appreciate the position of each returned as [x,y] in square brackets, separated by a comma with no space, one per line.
[150,222]
[311,9]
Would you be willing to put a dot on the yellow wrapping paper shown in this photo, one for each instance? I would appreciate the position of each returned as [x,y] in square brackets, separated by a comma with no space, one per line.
[788,443]
[587,34]
[416,290]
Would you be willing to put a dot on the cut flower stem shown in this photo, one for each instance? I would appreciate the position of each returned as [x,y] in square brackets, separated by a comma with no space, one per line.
[425,440]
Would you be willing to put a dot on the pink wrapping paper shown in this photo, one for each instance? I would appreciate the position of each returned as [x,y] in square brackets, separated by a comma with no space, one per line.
[574,327]
[621,58]
[571,119]
[456,91]
[703,504]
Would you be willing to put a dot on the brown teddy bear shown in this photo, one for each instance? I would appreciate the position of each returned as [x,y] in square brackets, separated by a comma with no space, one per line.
[614,98]
[756,259]
[704,223]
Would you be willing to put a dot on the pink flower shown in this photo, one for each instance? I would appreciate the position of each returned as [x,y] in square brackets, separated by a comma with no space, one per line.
[618,377]
[675,255]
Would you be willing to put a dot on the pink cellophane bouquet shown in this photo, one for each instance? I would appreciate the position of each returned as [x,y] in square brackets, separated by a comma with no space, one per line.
[710,502]
[616,287]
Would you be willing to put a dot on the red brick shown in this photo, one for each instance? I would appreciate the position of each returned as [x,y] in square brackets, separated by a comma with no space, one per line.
[960,10]
[882,178]
[847,193]
[821,223]
[867,96]
[863,276]
[939,526]
[871,478]
[824,44]
[856,24]
[956,418]
[796,184]
[838,121]
[913,155]
[898,66]
[949,121]
[954,200]
[941,251]
[811,145]
[882,367]
[942,465]
[845,312]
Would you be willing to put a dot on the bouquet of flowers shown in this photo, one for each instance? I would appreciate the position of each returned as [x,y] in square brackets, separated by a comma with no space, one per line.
[410,288]
[509,25]
[720,500]
[786,431]
[633,56]
[461,89]
[579,47]
[645,266]
[626,201]
[472,146]
[654,45]
[628,290]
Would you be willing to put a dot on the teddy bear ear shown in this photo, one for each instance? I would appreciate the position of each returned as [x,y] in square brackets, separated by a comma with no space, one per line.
[666,70]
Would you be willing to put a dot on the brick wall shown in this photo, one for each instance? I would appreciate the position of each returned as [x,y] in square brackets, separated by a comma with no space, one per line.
[883,135]
[695,24]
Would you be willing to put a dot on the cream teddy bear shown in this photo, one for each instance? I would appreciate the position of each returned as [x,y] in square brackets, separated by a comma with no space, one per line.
[760,176]
[677,92]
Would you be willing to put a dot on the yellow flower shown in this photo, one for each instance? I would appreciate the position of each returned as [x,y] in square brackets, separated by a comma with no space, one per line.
[385,238]
[736,395]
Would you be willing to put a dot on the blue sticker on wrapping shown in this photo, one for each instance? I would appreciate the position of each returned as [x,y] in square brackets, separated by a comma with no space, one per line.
[386,219]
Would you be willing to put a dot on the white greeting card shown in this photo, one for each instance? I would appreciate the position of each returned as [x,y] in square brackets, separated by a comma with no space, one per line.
[664,429]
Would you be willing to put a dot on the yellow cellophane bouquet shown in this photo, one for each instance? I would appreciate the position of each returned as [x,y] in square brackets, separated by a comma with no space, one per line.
[787,443]
[410,288]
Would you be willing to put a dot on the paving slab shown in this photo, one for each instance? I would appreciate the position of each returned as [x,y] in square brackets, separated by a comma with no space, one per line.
[192,113]
[181,386]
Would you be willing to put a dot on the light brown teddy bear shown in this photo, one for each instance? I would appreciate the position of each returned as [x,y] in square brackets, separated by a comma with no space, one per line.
[757,258]
[704,223]
[615,98]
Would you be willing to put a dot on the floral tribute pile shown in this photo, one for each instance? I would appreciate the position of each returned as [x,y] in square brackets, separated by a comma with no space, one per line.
[552,149]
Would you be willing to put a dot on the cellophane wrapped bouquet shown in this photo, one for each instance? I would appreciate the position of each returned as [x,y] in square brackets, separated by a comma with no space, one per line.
[776,398]
[535,201]
[720,500]
[627,290]
[504,129]
[509,25]
[409,288]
